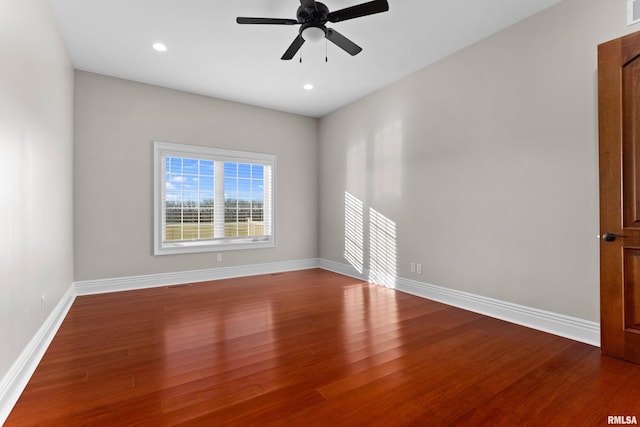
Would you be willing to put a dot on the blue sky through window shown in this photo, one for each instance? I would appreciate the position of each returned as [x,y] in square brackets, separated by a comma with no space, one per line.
[189,180]
[243,181]
[192,180]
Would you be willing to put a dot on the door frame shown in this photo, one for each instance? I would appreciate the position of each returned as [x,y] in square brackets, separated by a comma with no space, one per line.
[617,239]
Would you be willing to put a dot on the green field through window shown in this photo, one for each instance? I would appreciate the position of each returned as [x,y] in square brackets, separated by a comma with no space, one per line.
[175,232]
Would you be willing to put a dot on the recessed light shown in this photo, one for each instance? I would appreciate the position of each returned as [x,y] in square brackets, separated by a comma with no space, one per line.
[160,47]
[308,86]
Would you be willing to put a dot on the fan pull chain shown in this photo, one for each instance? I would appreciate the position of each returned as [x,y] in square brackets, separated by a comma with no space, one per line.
[326,51]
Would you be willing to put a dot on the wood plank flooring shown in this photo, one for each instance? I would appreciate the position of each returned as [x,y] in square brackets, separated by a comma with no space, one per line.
[312,348]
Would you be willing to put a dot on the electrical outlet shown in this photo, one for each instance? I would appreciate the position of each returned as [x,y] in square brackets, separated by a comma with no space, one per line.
[42,300]
[419,268]
[413,267]
[219,257]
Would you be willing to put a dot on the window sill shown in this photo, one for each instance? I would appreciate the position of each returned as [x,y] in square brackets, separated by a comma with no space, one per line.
[168,248]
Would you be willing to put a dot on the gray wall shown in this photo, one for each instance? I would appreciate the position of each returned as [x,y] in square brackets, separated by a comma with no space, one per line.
[36,152]
[486,163]
[116,122]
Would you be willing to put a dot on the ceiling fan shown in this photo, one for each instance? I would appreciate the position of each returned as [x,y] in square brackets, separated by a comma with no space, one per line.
[312,17]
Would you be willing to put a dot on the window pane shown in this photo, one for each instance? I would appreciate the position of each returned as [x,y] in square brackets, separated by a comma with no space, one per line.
[206,183]
[244,189]
[230,186]
[206,168]
[230,169]
[206,231]
[206,215]
[173,213]
[175,165]
[244,170]
[257,171]
[173,232]
[190,166]
[230,211]
[257,190]
[257,215]
[189,232]
[206,199]
[174,179]
[190,197]
[244,199]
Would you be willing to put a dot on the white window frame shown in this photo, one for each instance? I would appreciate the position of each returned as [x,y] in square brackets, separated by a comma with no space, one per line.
[633,16]
[163,149]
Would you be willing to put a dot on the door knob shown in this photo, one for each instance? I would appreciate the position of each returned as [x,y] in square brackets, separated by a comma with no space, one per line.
[608,237]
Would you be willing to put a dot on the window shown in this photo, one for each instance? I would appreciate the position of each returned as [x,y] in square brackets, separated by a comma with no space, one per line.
[210,199]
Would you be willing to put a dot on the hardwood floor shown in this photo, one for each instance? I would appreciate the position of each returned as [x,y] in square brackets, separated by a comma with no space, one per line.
[312,348]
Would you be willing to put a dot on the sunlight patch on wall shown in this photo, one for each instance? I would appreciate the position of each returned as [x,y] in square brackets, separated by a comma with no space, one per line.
[382,235]
[357,168]
[387,162]
[353,231]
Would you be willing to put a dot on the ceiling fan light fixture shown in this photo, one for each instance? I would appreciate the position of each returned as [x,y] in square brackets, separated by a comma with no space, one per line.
[313,34]
[313,16]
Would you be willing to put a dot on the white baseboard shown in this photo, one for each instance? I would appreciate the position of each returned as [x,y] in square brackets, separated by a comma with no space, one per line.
[16,379]
[558,324]
[99,286]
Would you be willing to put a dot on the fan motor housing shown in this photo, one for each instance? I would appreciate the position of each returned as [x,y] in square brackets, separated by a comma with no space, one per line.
[317,14]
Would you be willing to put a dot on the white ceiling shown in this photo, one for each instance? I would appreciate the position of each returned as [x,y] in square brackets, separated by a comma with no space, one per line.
[209,54]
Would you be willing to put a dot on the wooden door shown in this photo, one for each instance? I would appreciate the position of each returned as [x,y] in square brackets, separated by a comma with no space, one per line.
[619,127]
